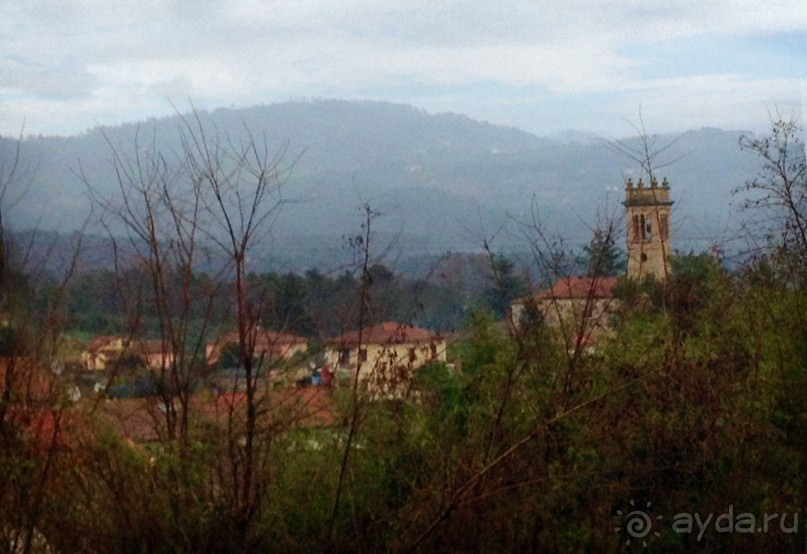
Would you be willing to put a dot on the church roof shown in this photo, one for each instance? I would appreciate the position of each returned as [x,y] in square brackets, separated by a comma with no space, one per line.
[389,332]
[579,287]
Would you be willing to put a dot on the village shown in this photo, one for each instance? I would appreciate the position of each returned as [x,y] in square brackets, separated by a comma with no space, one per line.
[294,383]
[136,380]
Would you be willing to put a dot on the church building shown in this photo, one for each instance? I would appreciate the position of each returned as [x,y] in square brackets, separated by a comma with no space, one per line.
[580,307]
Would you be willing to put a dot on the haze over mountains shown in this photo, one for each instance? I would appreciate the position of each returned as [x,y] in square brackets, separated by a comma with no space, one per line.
[442,181]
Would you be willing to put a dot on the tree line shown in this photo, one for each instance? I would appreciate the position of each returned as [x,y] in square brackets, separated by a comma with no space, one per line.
[314,305]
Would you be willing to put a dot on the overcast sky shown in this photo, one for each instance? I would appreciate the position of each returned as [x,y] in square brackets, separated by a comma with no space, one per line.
[543,66]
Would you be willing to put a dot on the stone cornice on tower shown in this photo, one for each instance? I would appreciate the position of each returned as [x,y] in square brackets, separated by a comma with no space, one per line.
[654,195]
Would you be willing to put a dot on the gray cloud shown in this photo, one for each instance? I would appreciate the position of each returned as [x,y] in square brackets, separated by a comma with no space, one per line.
[46,83]
[75,62]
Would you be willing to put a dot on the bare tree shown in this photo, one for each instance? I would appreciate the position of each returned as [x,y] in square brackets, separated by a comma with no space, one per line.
[159,206]
[33,399]
[652,154]
[240,185]
[779,191]
[361,247]
[213,201]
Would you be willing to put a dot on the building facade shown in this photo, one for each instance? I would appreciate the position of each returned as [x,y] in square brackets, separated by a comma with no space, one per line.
[649,231]
[268,346]
[579,309]
[385,355]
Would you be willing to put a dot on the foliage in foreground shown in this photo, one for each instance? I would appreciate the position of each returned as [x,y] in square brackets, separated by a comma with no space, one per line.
[697,404]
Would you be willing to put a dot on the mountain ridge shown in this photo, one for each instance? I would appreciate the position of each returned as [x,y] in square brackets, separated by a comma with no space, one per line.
[443,179]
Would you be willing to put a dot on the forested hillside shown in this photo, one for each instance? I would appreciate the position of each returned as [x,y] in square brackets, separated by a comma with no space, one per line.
[442,180]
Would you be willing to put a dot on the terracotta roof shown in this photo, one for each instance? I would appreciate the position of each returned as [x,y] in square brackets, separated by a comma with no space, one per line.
[265,341]
[386,333]
[101,342]
[279,408]
[153,347]
[139,419]
[301,407]
[134,418]
[580,287]
[263,338]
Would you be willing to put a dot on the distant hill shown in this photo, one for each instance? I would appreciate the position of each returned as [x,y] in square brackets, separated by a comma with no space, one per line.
[444,181]
[571,136]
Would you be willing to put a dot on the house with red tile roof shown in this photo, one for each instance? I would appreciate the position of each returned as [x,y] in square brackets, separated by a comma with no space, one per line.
[156,354]
[268,345]
[102,350]
[385,355]
[105,351]
[578,308]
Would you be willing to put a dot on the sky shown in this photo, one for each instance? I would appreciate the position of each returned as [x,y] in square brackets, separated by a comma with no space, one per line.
[542,66]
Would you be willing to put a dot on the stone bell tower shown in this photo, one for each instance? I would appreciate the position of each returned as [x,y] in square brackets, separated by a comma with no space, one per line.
[649,233]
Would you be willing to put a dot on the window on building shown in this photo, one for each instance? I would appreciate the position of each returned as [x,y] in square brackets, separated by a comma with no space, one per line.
[344,357]
[412,355]
[664,227]
[363,355]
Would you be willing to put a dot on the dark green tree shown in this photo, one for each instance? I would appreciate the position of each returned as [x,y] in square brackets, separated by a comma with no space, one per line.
[505,285]
[601,257]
